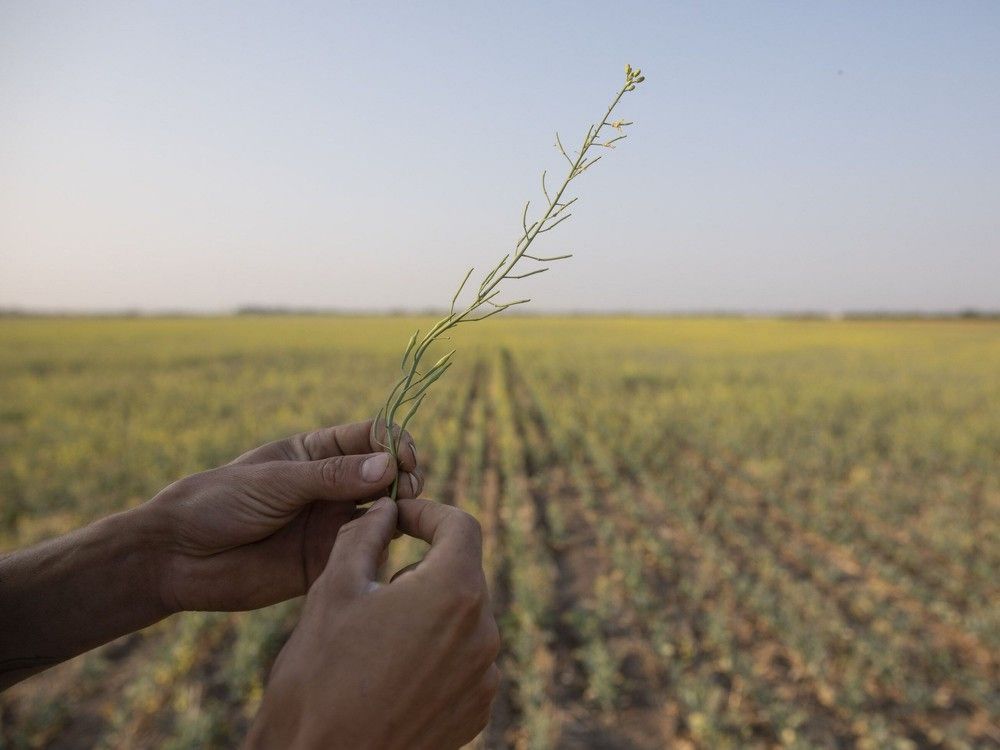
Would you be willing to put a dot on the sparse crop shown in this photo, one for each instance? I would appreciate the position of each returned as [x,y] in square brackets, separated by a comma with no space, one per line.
[411,389]
[735,533]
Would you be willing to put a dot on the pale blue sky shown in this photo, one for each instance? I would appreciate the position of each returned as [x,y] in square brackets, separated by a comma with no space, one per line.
[205,155]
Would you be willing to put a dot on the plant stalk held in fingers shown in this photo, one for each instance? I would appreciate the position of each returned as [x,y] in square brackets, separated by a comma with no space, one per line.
[410,390]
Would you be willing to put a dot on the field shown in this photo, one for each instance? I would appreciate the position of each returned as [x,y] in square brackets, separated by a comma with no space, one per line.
[699,533]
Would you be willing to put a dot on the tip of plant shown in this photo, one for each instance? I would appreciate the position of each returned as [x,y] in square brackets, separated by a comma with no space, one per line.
[633,76]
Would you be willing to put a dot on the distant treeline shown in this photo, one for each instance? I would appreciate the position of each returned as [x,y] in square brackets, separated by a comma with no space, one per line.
[263,310]
[795,315]
[267,310]
[968,314]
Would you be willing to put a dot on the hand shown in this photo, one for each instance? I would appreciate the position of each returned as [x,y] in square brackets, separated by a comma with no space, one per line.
[409,664]
[260,529]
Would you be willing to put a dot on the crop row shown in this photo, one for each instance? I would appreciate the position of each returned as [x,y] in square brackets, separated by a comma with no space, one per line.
[729,525]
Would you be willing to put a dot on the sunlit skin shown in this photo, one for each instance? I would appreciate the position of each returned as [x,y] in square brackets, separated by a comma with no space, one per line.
[260,530]
[409,664]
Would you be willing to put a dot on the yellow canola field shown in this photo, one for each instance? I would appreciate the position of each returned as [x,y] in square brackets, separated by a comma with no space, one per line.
[699,532]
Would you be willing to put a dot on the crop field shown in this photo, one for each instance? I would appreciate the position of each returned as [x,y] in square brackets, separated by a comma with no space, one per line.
[700,533]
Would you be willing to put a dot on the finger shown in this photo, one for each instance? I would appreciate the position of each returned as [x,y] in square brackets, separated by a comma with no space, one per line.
[360,544]
[360,437]
[455,537]
[342,478]
[328,442]
[384,557]
[411,484]
[322,521]
[407,455]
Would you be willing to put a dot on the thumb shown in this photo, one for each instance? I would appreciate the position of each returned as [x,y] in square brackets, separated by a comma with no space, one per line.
[354,560]
[339,478]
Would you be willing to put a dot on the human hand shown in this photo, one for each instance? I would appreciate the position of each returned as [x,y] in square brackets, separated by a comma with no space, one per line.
[260,529]
[408,664]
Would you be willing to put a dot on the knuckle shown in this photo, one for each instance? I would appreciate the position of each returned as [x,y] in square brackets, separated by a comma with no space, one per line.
[306,445]
[351,528]
[490,685]
[470,526]
[486,649]
[492,643]
[471,721]
[465,602]
[406,486]
[333,471]
[482,720]
[482,698]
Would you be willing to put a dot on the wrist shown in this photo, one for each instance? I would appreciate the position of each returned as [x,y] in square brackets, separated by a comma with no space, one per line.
[143,540]
[75,592]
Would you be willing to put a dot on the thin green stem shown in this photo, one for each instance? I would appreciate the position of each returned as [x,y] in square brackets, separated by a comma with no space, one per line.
[412,387]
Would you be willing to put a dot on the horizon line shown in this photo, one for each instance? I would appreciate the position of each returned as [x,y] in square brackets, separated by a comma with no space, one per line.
[970,312]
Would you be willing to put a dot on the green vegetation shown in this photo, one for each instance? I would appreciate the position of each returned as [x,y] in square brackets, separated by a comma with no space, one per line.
[412,387]
[711,533]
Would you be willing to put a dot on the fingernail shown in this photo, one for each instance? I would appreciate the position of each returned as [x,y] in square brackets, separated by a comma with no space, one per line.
[413,450]
[373,469]
[380,503]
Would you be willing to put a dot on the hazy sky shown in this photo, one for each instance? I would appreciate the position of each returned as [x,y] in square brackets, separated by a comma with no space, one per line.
[788,155]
